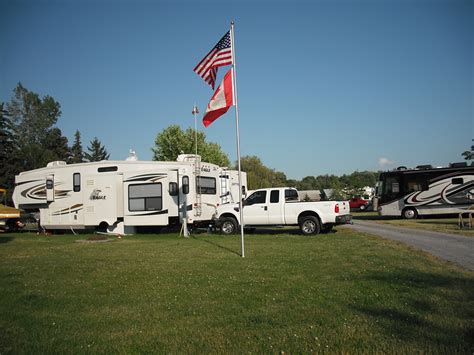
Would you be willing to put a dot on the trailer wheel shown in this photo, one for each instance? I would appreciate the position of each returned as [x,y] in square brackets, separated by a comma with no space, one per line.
[228,225]
[409,213]
[309,225]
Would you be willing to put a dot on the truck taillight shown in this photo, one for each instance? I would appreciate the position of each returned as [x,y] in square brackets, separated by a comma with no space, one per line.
[336,208]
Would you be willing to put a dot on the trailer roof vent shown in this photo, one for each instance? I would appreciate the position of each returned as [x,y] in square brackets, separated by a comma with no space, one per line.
[424,167]
[56,163]
[188,157]
[402,168]
[458,165]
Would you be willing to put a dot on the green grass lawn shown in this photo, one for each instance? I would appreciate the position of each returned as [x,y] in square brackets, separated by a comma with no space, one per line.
[340,292]
[445,225]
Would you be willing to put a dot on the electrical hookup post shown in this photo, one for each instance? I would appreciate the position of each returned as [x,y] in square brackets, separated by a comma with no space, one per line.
[236,102]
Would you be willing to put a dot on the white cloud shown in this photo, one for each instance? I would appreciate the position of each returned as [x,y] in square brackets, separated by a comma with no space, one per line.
[384,162]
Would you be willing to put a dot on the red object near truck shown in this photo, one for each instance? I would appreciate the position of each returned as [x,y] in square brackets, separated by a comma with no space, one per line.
[358,203]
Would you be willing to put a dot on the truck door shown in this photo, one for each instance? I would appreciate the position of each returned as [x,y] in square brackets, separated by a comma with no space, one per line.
[256,209]
[275,208]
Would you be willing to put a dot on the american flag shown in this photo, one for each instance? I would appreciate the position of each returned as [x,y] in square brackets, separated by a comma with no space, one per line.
[219,56]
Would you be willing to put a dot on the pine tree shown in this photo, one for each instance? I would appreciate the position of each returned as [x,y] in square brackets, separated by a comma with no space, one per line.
[96,151]
[77,154]
[9,164]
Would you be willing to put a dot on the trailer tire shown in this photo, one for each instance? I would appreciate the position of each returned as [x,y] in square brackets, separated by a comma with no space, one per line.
[409,213]
[309,225]
[228,225]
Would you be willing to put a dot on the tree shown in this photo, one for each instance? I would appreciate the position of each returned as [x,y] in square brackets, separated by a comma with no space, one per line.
[173,141]
[469,154]
[96,151]
[33,119]
[77,154]
[259,176]
[56,146]
[8,151]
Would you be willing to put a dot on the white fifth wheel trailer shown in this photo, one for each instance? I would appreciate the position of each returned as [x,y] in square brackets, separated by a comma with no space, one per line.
[122,196]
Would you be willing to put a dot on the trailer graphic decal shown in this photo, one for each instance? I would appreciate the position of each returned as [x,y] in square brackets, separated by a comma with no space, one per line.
[38,192]
[151,213]
[147,177]
[72,209]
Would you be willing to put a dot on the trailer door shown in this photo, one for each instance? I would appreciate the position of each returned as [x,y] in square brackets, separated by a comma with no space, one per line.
[101,199]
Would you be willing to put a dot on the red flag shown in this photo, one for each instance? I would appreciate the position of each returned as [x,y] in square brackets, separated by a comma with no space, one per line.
[220,55]
[221,101]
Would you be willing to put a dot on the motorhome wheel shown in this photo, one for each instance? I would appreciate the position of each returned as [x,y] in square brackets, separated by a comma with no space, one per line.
[409,213]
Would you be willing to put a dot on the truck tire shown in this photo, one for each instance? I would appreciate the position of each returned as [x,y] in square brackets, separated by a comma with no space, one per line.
[362,207]
[229,225]
[309,225]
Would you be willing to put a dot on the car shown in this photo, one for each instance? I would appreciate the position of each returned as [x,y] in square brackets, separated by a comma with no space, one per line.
[358,203]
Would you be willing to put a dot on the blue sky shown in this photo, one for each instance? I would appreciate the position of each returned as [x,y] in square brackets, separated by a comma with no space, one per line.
[325,87]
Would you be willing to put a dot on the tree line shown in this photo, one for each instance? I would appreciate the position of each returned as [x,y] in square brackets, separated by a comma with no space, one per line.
[29,138]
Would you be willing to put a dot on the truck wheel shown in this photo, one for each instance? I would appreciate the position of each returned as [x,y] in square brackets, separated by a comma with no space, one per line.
[228,225]
[362,207]
[309,225]
[409,213]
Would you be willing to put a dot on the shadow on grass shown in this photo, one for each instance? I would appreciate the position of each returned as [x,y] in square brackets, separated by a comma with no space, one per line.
[425,299]
[213,243]
[4,240]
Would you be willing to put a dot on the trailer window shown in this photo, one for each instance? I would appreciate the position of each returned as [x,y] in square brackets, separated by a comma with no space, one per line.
[145,197]
[49,184]
[206,185]
[173,189]
[76,182]
[185,184]
[107,169]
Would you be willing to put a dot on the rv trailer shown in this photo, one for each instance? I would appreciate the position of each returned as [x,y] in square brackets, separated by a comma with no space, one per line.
[123,196]
[425,190]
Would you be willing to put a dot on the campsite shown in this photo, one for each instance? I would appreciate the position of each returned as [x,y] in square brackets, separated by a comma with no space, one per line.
[338,292]
[263,177]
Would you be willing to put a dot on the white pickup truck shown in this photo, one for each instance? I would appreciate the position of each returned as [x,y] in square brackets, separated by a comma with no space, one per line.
[281,206]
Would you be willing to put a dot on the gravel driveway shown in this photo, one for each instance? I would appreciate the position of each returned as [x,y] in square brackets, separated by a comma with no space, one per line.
[456,248]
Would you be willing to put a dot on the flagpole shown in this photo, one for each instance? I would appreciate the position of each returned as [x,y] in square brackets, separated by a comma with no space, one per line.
[195,111]
[234,66]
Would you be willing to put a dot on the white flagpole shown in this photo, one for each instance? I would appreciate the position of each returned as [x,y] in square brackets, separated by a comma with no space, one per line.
[234,66]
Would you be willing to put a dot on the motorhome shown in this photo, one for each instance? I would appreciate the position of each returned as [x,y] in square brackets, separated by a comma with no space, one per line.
[123,196]
[425,190]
